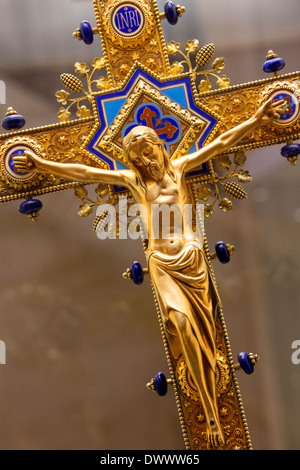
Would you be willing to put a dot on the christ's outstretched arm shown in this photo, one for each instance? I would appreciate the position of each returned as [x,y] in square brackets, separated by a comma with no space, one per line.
[264,115]
[30,162]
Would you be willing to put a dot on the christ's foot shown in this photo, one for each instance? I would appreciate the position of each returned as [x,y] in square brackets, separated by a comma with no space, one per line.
[214,434]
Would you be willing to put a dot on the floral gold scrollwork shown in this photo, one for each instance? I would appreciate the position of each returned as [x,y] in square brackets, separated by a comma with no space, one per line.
[210,185]
[193,66]
[104,194]
[75,84]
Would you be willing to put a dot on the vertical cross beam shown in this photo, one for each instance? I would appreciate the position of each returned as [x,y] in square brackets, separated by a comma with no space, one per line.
[138,84]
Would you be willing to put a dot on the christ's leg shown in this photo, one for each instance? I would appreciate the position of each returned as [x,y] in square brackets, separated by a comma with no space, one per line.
[201,371]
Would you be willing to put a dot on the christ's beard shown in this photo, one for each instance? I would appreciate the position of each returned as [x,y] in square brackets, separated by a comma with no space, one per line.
[154,171]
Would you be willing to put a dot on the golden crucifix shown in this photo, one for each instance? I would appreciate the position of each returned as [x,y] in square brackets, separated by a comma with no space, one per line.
[153,131]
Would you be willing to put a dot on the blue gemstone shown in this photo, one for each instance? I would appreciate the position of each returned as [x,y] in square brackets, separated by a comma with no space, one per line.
[137,273]
[222,252]
[273,65]
[161,384]
[13,121]
[32,205]
[291,150]
[171,13]
[245,362]
[86,32]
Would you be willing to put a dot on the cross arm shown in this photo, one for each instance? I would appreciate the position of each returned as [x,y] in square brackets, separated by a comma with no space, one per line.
[264,115]
[30,162]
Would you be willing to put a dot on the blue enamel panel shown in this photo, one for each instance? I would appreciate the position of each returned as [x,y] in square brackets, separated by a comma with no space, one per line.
[112,109]
[109,105]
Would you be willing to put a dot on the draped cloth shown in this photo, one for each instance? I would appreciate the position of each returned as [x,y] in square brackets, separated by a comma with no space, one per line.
[182,283]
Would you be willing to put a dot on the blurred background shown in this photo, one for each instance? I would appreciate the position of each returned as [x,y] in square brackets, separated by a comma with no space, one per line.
[81,342]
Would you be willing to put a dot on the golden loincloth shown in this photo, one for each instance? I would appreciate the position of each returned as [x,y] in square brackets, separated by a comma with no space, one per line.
[182,283]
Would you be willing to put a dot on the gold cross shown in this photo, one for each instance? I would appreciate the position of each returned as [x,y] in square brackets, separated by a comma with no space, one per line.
[142,80]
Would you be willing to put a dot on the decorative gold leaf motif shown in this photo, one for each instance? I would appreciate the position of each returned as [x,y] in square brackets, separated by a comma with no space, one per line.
[204,86]
[82,69]
[240,158]
[224,162]
[204,193]
[83,112]
[151,63]
[208,210]
[218,64]
[80,192]
[63,115]
[136,56]
[85,210]
[244,176]
[124,69]
[225,205]
[192,46]
[103,83]
[223,82]
[177,68]
[102,191]
[98,63]
[62,96]
[173,47]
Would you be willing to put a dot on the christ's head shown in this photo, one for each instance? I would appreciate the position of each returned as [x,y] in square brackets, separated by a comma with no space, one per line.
[146,153]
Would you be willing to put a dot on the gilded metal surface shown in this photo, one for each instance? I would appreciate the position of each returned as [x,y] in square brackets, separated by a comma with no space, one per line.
[187,298]
[235,103]
[216,128]
[147,45]
[57,142]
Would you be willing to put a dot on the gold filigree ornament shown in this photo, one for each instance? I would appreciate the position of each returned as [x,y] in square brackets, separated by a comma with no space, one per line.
[193,63]
[185,381]
[11,181]
[210,186]
[75,85]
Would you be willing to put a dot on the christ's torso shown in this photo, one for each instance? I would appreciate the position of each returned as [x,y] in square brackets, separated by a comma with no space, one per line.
[166,214]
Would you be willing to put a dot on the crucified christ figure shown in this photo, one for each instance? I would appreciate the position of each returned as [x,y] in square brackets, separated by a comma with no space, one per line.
[176,261]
